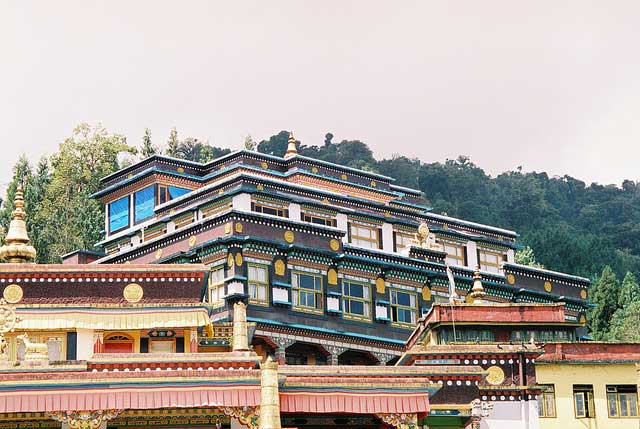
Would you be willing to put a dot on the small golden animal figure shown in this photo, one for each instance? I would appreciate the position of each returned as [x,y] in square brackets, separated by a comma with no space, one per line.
[34,351]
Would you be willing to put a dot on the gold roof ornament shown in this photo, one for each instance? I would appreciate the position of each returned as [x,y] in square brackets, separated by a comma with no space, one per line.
[17,248]
[424,238]
[477,291]
[291,147]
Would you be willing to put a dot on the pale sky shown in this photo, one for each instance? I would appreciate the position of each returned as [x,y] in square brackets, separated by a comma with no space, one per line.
[549,85]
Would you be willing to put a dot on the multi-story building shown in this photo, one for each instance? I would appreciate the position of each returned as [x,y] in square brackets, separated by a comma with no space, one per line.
[323,253]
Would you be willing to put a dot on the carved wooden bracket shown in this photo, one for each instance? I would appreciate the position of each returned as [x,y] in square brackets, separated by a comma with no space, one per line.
[400,421]
[247,416]
[84,419]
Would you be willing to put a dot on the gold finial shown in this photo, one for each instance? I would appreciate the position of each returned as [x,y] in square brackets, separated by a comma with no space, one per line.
[269,395]
[17,248]
[424,238]
[477,291]
[291,147]
[240,339]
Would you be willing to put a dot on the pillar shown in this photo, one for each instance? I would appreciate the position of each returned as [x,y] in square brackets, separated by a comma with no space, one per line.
[98,342]
[240,336]
[193,341]
[269,396]
[342,224]
[472,254]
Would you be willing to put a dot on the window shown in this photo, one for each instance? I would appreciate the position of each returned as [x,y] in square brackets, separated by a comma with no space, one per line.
[270,208]
[167,193]
[356,300]
[364,236]
[490,260]
[547,401]
[307,291]
[402,240]
[258,284]
[119,214]
[216,287]
[456,253]
[622,401]
[143,202]
[465,335]
[583,401]
[319,218]
[404,307]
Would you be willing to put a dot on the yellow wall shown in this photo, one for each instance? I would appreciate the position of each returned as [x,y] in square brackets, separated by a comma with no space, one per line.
[564,376]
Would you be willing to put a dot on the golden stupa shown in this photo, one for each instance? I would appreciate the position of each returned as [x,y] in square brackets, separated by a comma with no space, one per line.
[17,248]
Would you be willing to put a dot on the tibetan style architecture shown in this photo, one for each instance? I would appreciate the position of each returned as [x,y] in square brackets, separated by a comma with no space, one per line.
[266,292]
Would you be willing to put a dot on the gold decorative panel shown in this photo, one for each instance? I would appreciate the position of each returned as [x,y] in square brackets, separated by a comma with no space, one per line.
[334,244]
[239,259]
[380,285]
[133,292]
[495,375]
[12,294]
[289,236]
[332,277]
[511,279]
[547,286]
[426,293]
[279,267]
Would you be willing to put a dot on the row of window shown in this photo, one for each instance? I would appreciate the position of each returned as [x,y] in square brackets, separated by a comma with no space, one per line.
[622,401]
[144,202]
[307,295]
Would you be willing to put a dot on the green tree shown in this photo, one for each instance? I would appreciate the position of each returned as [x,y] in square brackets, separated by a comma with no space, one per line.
[526,256]
[70,219]
[629,290]
[193,149]
[604,294]
[276,145]
[625,323]
[148,149]
[172,144]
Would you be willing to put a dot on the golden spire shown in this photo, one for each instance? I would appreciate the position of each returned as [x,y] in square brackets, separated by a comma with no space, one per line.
[269,395]
[240,339]
[291,147]
[17,248]
[477,291]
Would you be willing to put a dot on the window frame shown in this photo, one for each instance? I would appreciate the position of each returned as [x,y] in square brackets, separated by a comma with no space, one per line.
[484,265]
[586,392]
[122,228]
[397,246]
[218,286]
[259,205]
[377,244]
[257,301]
[547,391]
[136,221]
[317,293]
[614,392]
[328,220]
[459,260]
[367,307]
[397,306]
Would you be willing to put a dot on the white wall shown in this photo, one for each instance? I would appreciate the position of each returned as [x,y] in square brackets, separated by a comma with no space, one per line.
[512,415]
[472,254]
[341,224]
[387,237]
[294,211]
[85,344]
[242,202]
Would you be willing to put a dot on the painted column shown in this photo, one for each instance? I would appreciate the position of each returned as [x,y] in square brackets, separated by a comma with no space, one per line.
[472,254]
[294,212]
[387,237]
[193,341]
[341,224]
[240,340]
[98,342]
[511,256]
[269,396]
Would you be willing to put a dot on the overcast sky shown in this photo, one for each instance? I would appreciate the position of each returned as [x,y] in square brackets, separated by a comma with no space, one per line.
[549,85]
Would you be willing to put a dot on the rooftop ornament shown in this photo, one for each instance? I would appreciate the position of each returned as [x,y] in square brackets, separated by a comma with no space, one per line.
[424,238]
[477,291]
[291,147]
[17,248]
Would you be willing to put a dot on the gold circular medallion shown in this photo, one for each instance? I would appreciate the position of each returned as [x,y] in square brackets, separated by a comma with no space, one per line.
[158,253]
[344,177]
[373,184]
[133,292]
[547,286]
[289,236]
[334,244]
[238,227]
[260,187]
[511,279]
[495,375]
[583,294]
[192,241]
[180,170]
[221,191]
[12,294]
[264,165]
[314,170]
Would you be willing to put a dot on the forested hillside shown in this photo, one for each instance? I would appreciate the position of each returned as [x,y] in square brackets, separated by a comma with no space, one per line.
[571,226]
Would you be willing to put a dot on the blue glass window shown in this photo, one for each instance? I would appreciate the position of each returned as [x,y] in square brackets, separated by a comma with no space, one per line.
[175,192]
[143,203]
[119,214]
